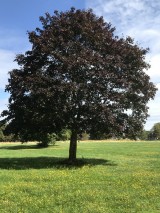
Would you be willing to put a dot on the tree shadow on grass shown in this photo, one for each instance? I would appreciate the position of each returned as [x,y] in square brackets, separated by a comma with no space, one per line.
[17,147]
[49,162]
[23,146]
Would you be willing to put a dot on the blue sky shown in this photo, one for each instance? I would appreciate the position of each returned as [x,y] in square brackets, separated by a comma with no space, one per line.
[138,18]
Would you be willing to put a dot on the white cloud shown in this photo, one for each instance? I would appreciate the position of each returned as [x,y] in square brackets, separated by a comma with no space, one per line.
[6,65]
[154,71]
[153,112]
[11,44]
[139,19]
[3,104]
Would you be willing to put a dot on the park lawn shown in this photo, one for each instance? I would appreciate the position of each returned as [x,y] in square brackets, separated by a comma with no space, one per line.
[117,177]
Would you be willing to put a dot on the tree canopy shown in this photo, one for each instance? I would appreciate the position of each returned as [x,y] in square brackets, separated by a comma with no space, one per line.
[78,75]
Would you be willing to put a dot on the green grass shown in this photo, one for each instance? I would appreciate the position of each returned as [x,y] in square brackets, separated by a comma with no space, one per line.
[116,178]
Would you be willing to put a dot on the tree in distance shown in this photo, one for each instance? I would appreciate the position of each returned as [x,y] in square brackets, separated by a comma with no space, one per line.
[78,76]
[155,132]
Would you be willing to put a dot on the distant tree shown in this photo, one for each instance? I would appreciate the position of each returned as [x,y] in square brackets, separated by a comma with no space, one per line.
[84,136]
[1,134]
[144,135]
[79,76]
[155,132]
[64,135]
[98,135]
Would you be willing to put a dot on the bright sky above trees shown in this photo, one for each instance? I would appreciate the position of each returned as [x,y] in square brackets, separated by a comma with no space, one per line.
[139,18]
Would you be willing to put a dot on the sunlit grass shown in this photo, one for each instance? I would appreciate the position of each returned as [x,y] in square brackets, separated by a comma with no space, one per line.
[117,177]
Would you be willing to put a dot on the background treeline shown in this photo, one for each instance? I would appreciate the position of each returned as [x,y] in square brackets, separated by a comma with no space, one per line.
[153,134]
[65,134]
[5,137]
[51,138]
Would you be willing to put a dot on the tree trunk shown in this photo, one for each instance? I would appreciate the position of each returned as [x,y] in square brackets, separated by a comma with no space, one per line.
[73,147]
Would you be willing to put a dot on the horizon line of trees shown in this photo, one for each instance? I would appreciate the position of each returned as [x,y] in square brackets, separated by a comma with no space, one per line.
[65,134]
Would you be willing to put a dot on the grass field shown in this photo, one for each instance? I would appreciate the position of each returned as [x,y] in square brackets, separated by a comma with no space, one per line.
[117,178]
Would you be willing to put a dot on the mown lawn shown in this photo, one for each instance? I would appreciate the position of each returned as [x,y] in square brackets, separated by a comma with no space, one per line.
[120,177]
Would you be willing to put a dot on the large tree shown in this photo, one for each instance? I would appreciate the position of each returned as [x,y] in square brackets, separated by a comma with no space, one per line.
[80,76]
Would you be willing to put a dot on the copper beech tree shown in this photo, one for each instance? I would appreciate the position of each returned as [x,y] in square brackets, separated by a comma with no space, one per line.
[78,75]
